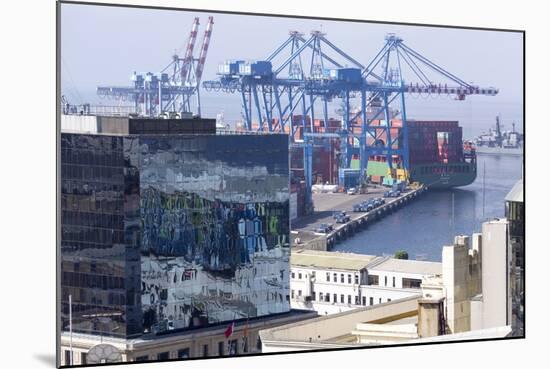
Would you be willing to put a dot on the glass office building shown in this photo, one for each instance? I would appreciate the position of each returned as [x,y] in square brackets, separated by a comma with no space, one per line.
[173,231]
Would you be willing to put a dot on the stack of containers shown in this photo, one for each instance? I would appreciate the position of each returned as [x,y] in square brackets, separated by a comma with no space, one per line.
[423,145]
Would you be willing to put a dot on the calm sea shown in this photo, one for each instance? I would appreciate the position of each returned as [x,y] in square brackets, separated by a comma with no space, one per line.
[424,226]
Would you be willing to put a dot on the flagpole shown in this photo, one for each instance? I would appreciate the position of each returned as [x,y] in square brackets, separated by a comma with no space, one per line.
[71,328]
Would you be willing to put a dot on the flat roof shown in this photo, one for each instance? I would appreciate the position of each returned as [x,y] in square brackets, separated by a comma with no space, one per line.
[408,266]
[330,259]
[516,193]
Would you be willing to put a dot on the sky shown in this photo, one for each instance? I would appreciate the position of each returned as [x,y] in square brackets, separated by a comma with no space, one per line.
[105,45]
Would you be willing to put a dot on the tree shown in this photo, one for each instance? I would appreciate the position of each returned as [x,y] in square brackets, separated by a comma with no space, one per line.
[401,254]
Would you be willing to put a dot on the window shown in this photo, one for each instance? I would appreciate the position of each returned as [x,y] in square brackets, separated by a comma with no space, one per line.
[299,292]
[258,343]
[411,283]
[371,301]
[299,275]
[335,277]
[342,299]
[393,281]
[321,296]
[380,300]
[389,300]
[312,295]
[357,279]
[342,278]
[142,358]
[385,280]
[349,299]
[327,297]
[83,358]
[233,347]
[356,300]
[183,353]
[335,298]
[328,277]
[364,301]
[68,357]
[372,280]
[220,348]
[204,350]
[292,293]
[163,355]
[292,275]
[349,278]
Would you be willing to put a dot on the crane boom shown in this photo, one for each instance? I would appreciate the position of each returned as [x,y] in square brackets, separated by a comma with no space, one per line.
[188,58]
[204,49]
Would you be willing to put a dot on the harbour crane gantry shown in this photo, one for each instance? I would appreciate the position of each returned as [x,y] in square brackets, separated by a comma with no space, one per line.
[171,90]
[275,93]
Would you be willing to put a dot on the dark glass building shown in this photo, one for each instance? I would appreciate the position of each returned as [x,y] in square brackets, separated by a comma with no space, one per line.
[515,213]
[164,230]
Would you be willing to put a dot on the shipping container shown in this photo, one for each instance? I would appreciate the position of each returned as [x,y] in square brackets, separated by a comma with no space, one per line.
[261,68]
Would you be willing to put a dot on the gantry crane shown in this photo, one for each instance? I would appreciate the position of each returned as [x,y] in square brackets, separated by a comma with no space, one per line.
[173,88]
[273,93]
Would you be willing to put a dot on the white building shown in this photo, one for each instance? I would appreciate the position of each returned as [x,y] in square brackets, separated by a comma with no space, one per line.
[333,282]
[466,297]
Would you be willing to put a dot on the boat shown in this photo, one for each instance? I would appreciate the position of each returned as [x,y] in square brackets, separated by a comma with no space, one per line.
[499,141]
[438,157]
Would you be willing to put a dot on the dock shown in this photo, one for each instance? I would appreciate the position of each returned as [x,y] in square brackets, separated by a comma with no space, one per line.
[303,235]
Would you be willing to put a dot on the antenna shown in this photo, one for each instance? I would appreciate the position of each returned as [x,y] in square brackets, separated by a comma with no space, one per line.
[483,214]
[103,354]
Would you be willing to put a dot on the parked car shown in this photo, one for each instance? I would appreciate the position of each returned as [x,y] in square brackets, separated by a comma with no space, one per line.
[379,202]
[338,213]
[323,228]
[392,193]
[352,191]
[343,218]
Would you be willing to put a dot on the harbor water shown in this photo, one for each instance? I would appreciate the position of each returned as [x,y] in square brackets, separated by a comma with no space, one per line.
[425,225]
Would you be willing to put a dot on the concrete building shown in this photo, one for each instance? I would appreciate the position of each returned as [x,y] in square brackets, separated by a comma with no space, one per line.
[333,282]
[497,274]
[197,343]
[169,227]
[393,322]
[468,296]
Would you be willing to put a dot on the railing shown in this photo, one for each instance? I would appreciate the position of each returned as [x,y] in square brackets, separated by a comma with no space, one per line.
[105,110]
[224,131]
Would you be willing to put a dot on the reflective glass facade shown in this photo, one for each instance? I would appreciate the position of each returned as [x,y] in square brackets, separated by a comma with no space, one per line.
[165,232]
[215,223]
[100,233]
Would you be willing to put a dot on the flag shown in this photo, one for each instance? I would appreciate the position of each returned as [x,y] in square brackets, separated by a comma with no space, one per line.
[229,331]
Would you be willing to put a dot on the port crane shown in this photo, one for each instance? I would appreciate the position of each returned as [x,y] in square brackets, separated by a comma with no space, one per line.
[284,95]
[171,90]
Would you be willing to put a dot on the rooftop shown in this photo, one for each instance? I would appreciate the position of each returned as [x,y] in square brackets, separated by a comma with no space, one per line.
[330,260]
[516,193]
[408,266]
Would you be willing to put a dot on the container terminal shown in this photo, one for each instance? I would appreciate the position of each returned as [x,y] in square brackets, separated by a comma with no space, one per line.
[371,147]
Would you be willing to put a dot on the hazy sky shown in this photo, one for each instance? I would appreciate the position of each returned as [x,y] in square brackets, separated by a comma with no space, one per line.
[104,45]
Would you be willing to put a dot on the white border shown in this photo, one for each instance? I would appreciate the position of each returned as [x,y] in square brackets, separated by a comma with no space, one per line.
[28,181]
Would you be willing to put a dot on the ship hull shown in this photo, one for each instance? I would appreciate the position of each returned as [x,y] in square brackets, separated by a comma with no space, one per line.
[483,150]
[444,176]
[434,175]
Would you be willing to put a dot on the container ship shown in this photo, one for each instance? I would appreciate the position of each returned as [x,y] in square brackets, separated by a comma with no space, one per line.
[438,157]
